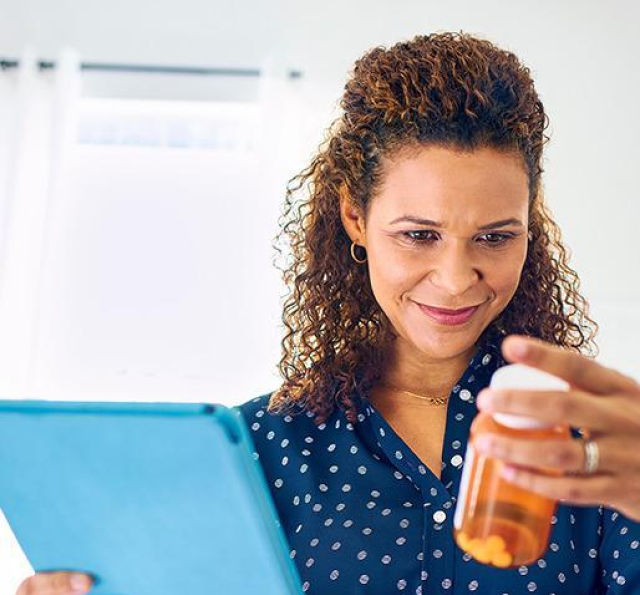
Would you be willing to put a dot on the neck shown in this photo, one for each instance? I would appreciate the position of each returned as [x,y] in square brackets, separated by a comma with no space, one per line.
[418,373]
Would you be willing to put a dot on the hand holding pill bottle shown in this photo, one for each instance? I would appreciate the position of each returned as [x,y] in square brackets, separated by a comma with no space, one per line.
[497,522]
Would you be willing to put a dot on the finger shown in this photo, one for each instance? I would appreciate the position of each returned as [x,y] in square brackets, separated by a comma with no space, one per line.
[55,583]
[586,491]
[561,455]
[578,370]
[576,408]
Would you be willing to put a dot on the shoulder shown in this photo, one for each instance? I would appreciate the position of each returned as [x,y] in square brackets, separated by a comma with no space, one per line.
[256,407]
[264,423]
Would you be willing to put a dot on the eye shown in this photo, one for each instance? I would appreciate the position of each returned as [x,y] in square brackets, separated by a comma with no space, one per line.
[497,239]
[421,236]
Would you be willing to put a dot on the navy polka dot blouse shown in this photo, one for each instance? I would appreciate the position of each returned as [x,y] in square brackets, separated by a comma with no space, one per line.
[362,514]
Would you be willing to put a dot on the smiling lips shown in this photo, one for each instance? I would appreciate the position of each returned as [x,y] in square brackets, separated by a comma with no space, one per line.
[449,317]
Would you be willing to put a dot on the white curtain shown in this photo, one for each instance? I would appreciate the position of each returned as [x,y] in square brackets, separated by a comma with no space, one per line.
[37,137]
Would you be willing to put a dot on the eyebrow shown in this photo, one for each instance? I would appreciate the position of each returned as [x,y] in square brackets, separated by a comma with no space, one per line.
[494,225]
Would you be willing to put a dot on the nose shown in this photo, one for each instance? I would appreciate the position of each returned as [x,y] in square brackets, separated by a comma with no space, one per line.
[454,270]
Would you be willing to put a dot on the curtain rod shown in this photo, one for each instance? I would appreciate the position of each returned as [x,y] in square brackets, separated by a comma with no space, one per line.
[6,64]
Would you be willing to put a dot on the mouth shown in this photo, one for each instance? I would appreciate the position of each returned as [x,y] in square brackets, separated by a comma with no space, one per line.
[447,316]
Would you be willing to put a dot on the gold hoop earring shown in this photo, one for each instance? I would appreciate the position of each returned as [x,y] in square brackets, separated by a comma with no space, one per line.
[353,253]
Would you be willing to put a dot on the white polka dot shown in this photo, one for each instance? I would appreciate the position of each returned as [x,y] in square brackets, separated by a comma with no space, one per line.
[437,553]
[255,426]
[473,585]
[446,583]
[402,584]
[362,470]
[362,554]
[439,516]
[333,468]
[334,575]
[465,394]
[456,460]
[278,483]
[386,559]
[364,579]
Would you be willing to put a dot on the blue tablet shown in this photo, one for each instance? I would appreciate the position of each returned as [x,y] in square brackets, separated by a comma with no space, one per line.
[149,498]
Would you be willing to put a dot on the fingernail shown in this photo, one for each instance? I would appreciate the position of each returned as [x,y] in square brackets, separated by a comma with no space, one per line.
[484,399]
[80,582]
[520,349]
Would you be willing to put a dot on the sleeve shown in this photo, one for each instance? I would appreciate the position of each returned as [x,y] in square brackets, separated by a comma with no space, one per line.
[619,554]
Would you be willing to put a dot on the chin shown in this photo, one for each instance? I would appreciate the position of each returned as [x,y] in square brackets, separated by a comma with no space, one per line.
[446,346]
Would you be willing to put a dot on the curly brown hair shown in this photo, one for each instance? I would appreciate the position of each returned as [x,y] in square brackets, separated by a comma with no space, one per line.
[446,89]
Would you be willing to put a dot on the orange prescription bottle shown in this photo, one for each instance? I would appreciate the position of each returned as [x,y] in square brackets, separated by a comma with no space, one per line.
[497,522]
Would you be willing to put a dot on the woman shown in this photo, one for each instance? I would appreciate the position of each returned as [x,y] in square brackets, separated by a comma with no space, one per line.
[422,243]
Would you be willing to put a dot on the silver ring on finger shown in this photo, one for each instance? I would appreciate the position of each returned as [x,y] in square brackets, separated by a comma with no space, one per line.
[591,456]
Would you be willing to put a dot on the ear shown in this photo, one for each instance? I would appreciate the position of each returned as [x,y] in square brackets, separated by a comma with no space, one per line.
[352,219]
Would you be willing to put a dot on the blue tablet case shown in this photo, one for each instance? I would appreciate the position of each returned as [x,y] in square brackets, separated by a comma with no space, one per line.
[149,498]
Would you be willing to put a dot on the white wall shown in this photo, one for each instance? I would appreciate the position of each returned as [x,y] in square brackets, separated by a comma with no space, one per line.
[582,54]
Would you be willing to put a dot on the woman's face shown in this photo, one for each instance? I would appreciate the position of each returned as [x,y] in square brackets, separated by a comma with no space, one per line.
[446,230]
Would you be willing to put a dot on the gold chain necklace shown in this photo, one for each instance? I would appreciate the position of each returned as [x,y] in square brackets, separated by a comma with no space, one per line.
[433,400]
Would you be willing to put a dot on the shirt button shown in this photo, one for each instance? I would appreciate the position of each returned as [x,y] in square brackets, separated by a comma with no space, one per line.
[439,516]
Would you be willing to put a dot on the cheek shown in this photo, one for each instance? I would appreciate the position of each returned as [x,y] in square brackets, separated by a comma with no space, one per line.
[504,276]
[391,274]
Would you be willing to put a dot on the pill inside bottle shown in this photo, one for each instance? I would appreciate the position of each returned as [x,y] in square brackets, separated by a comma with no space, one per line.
[497,522]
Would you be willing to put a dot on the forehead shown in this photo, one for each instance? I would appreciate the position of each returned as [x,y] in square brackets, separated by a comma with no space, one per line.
[453,186]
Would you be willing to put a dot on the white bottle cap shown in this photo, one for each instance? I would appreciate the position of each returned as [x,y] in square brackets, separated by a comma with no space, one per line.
[521,377]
